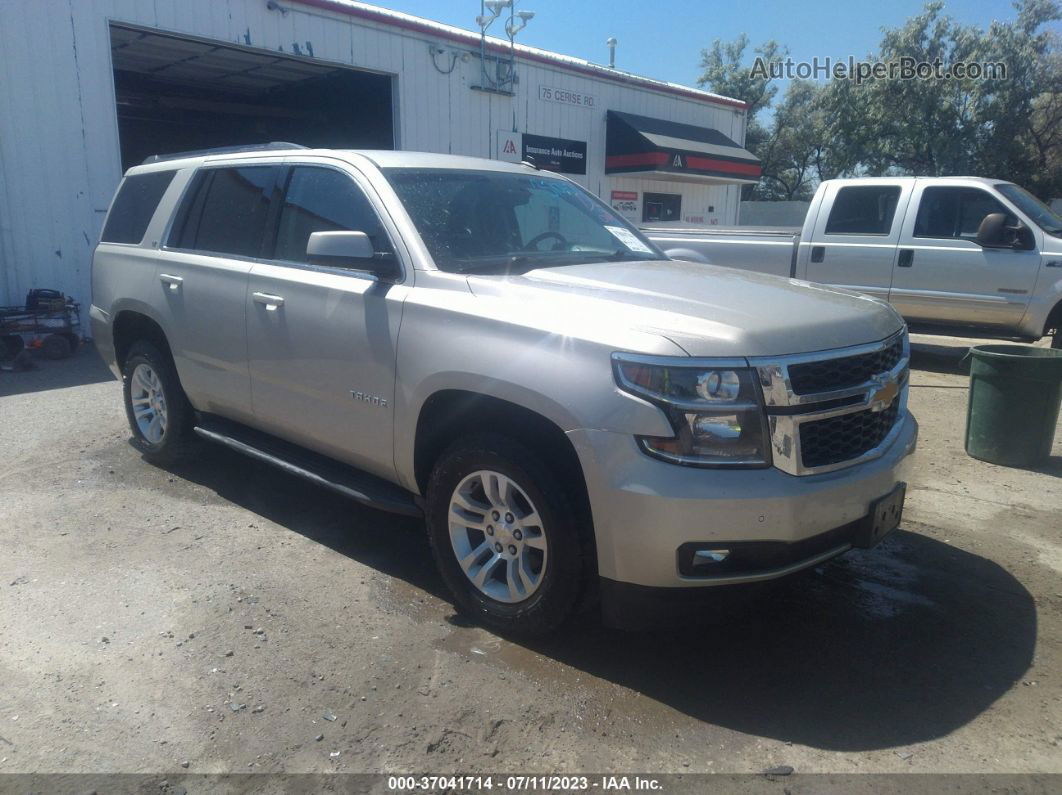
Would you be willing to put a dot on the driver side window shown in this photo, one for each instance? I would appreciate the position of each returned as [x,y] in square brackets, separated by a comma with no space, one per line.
[324,200]
[955,213]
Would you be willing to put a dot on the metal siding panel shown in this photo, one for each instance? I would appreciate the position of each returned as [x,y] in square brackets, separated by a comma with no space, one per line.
[65,113]
[33,189]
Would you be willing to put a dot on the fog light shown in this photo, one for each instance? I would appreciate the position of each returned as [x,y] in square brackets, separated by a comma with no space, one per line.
[708,556]
[712,427]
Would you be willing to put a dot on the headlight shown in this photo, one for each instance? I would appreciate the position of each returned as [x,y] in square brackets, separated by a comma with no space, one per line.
[715,408]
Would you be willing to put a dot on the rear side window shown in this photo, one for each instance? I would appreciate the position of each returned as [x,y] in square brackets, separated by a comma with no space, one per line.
[136,202]
[955,213]
[324,200]
[863,210]
[226,211]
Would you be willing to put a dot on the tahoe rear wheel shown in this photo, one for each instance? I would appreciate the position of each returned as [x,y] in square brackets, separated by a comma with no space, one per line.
[159,414]
[504,535]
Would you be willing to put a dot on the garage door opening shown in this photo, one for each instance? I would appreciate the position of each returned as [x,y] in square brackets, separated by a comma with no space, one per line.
[176,94]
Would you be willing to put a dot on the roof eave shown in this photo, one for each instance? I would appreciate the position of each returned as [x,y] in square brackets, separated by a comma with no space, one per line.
[567,63]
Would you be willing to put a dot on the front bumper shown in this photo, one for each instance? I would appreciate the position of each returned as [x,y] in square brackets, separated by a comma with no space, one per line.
[647,511]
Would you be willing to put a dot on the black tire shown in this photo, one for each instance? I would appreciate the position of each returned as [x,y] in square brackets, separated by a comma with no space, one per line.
[56,346]
[564,571]
[176,439]
[11,346]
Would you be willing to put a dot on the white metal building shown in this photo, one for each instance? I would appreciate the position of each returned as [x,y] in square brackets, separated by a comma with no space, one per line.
[90,87]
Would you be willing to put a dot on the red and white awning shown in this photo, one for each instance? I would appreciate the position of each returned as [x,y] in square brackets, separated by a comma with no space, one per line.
[647,147]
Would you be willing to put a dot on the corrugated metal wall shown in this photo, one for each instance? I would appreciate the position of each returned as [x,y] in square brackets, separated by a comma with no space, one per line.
[59,154]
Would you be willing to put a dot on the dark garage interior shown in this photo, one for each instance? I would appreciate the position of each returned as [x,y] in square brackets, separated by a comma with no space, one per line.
[175,94]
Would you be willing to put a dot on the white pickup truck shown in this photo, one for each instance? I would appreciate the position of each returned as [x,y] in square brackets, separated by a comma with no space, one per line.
[951,254]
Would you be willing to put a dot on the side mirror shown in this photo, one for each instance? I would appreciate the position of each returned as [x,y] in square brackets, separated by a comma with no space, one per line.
[339,245]
[351,250]
[994,233]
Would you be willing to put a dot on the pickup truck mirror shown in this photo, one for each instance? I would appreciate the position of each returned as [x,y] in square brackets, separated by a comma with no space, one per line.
[994,233]
[352,250]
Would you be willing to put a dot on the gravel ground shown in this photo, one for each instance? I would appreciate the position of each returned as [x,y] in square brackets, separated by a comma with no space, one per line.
[228,617]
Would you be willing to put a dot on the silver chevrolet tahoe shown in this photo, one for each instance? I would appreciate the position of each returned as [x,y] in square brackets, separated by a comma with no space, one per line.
[492,348]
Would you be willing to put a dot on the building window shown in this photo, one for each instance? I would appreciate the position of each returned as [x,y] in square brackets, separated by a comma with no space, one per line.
[662,207]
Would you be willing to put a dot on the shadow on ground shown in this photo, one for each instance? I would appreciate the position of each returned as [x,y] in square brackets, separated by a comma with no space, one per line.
[897,645]
[84,367]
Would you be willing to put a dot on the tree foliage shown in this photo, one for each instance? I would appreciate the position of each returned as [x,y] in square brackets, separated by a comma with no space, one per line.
[1007,127]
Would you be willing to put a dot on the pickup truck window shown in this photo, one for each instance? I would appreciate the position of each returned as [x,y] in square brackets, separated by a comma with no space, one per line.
[1042,215]
[136,202]
[482,220]
[324,200]
[225,211]
[863,210]
[955,213]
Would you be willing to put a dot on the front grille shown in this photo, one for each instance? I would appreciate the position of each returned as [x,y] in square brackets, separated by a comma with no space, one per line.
[832,374]
[837,439]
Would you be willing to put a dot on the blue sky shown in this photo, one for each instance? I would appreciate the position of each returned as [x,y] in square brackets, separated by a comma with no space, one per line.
[664,38]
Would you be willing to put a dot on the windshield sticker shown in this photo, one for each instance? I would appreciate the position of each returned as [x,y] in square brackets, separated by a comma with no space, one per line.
[629,239]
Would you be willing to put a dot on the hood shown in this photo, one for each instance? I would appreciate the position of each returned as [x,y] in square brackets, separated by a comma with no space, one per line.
[704,309]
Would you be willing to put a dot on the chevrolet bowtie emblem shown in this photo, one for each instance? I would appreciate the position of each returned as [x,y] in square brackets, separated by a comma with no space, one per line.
[886,392]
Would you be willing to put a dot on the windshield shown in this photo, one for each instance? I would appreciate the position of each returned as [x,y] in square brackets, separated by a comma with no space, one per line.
[495,220]
[1042,215]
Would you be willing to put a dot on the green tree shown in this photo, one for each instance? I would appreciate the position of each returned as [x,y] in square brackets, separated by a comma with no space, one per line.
[792,147]
[786,142]
[1008,126]
[725,72]
[1020,134]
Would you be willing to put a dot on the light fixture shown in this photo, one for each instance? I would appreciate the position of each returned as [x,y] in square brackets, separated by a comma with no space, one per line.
[511,28]
[495,8]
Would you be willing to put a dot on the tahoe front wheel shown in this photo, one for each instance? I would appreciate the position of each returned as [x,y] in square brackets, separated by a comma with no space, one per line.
[504,535]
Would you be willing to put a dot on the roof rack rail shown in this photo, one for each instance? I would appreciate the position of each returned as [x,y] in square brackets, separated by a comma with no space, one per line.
[222,150]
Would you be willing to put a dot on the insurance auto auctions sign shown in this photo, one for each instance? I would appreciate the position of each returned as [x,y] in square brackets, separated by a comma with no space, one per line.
[551,154]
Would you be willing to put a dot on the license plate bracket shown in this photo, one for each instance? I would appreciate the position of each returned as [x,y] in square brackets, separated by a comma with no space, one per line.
[884,517]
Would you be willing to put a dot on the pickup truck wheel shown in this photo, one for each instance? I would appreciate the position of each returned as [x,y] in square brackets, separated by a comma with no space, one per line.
[159,414]
[503,535]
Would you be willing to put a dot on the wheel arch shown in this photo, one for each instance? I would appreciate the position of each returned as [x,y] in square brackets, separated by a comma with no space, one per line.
[1054,319]
[450,414]
[131,325]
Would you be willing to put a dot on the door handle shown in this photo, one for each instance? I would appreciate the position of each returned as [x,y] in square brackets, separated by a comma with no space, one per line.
[818,253]
[906,258]
[174,282]
[270,302]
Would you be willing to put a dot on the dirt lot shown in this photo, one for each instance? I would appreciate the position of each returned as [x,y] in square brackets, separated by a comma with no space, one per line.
[233,618]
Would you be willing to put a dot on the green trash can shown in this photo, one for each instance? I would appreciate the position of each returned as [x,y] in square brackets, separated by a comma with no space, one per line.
[1015,392]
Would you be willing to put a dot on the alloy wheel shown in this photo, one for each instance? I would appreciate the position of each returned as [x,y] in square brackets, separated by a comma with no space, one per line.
[149,403]
[497,536]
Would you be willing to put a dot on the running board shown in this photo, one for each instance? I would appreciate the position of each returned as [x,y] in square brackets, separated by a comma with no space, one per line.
[348,481]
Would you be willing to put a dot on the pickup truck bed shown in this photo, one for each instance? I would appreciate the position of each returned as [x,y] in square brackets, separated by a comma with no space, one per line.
[751,248]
